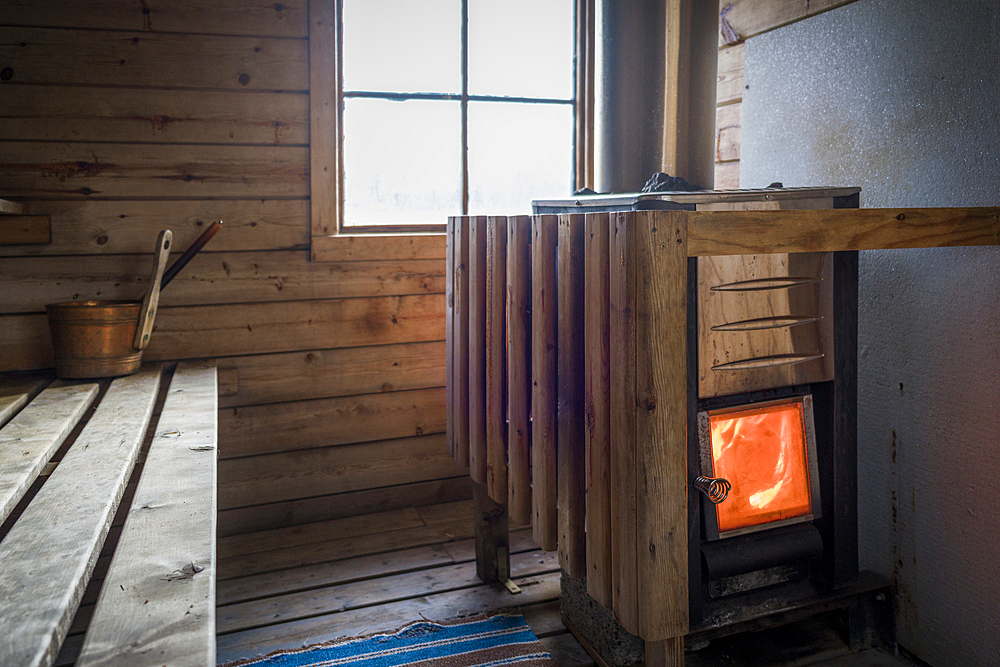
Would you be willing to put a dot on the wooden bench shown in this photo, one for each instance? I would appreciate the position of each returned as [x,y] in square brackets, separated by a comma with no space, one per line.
[84,574]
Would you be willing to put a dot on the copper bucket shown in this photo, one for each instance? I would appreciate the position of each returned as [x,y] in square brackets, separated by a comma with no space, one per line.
[94,339]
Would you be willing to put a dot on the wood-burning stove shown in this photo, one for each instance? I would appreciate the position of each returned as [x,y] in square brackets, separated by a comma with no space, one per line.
[691,318]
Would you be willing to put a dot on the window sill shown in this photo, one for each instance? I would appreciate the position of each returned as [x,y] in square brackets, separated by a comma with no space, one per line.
[367,247]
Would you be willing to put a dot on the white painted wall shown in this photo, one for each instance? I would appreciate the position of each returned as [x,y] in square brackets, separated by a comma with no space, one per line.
[902,97]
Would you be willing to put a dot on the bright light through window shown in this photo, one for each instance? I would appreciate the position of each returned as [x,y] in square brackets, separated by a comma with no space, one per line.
[422,143]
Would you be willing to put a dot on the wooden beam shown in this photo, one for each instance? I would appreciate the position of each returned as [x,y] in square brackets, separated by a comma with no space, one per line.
[751,232]
[660,422]
[597,401]
[742,19]
[25,230]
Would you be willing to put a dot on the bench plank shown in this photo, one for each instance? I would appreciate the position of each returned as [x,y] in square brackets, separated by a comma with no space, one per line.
[33,436]
[50,552]
[157,605]
[16,391]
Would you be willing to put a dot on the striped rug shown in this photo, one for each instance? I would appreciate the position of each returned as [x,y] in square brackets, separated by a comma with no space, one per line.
[475,642]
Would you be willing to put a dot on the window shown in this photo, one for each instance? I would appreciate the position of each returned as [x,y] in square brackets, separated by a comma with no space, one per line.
[447,107]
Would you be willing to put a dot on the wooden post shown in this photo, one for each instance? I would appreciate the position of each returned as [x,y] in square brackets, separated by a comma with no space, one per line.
[491,535]
[496,350]
[460,335]
[477,349]
[597,388]
[518,368]
[660,302]
[622,436]
[449,336]
[544,349]
[571,430]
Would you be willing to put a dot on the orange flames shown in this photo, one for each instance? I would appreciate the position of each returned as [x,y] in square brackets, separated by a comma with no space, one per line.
[762,452]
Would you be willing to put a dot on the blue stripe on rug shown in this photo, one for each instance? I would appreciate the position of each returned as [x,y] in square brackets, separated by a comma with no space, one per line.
[494,641]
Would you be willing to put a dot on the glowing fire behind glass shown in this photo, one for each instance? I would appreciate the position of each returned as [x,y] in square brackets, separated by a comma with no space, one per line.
[762,452]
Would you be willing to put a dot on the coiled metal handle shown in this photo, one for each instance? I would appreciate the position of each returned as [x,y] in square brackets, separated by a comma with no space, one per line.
[716,488]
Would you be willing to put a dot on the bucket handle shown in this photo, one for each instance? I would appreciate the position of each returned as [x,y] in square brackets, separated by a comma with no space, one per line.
[152,297]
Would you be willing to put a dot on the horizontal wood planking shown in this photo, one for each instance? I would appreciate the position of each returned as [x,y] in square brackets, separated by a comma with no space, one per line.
[240,329]
[749,232]
[123,227]
[323,508]
[153,60]
[352,595]
[287,18]
[728,125]
[331,470]
[43,169]
[28,283]
[294,376]
[25,230]
[361,567]
[337,549]
[56,113]
[729,87]
[351,248]
[321,531]
[741,19]
[278,427]
[465,601]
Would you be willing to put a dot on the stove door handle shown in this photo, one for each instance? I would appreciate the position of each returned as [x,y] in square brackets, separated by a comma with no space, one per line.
[716,488]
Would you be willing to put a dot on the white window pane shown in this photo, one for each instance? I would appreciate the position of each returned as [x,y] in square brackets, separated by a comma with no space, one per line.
[402,161]
[518,152]
[521,48]
[403,46]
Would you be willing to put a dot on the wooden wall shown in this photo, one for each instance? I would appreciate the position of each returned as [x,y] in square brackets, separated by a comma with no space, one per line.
[729,117]
[122,117]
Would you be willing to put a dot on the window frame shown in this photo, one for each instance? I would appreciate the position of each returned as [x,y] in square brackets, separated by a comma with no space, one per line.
[331,239]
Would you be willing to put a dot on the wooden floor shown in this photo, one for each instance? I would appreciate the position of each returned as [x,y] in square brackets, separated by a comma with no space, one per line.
[296,586]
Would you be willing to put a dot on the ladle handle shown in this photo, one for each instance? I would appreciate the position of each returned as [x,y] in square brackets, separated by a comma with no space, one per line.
[192,250]
[152,297]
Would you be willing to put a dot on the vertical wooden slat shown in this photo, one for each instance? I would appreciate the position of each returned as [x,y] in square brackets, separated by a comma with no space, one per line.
[544,350]
[477,349]
[658,246]
[570,431]
[622,440]
[449,336]
[597,388]
[496,351]
[518,371]
[460,332]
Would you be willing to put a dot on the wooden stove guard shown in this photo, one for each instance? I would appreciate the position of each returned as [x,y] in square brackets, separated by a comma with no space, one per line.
[638,471]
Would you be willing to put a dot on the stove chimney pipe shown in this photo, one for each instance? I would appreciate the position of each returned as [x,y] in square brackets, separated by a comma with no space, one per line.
[656,95]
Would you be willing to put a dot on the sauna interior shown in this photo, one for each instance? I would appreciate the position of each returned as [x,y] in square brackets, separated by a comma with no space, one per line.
[340,510]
